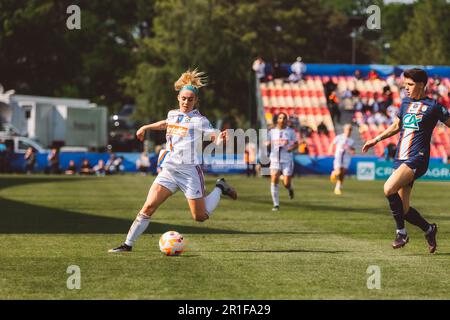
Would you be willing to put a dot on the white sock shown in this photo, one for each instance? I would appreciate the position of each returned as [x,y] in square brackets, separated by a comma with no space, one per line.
[402,231]
[338,185]
[212,200]
[274,191]
[137,228]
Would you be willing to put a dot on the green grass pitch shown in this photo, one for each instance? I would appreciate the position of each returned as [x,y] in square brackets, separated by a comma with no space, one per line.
[319,246]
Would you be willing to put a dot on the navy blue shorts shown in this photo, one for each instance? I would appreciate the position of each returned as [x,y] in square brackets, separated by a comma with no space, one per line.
[418,164]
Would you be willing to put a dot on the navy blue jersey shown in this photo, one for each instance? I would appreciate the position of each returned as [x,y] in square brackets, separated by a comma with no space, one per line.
[417,121]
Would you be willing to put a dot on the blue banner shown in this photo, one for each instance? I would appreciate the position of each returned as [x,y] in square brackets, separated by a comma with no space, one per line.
[381,170]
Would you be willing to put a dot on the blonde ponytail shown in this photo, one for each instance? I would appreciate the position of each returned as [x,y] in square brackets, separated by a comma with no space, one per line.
[192,78]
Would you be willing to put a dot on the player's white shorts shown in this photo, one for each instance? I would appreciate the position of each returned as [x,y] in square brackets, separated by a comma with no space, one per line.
[286,168]
[342,162]
[189,179]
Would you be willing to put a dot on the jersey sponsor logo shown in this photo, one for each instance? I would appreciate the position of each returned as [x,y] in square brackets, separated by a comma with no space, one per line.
[280,142]
[178,131]
[411,121]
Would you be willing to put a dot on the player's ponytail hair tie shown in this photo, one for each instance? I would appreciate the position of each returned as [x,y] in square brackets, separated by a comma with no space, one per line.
[191,80]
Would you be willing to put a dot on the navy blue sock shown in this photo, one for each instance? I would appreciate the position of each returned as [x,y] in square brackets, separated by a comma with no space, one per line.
[396,204]
[414,217]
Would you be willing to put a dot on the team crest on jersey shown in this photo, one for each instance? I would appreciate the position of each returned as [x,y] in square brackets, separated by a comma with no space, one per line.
[411,121]
[414,107]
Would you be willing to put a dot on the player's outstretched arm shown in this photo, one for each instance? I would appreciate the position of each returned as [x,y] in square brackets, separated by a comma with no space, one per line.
[393,129]
[158,126]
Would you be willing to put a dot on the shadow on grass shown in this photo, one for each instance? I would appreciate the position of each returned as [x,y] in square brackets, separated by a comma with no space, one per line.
[20,217]
[280,251]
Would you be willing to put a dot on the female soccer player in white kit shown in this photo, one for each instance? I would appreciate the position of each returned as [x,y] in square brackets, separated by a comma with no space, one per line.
[181,160]
[283,142]
[342,156]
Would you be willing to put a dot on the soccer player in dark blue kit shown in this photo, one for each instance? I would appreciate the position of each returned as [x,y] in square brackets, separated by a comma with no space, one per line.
[416,120]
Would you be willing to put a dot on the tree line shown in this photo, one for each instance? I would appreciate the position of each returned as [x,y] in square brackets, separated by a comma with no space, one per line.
[131,51]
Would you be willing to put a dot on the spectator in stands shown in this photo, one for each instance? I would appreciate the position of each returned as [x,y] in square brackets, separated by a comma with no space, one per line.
[86,168]
[259,66]
[53,162]
[71,169]
[110,165]
[294,123]
[303,147]
[441,89]
[333,107]
[143,163]
[390,80]
[387,99]
[322,128]
[389,151]
[298,68]
[329,87]
[99,168]
[30,160]
[347,100]
[372,75]
[380,118]
[277,72]
[357,75]
[375,103]
[392,112]
[359,106]
[118,164]
[305,131]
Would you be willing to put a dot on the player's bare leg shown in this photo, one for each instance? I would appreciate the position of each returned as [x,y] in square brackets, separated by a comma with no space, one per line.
[198,209]
[287,181]
[156,196]
[340,174]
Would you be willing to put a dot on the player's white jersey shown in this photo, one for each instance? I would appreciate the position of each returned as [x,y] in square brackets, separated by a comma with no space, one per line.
[343,145]
[184,138]
[280,141]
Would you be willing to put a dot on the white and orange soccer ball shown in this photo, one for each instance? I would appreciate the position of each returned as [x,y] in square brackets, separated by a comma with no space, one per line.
[172,243]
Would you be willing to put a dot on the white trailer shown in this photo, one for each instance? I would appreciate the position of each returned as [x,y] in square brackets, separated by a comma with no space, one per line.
[50,121]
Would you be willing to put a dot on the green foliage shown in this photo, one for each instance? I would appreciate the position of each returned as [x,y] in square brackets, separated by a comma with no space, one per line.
[133,51]
[426,35]
[40,56]
[222,38]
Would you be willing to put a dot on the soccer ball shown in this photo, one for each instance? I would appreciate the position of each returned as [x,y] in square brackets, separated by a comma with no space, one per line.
[172,243]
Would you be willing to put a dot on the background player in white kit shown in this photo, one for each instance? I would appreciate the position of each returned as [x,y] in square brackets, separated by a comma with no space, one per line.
[342,157]
[283,142]
[180,161]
